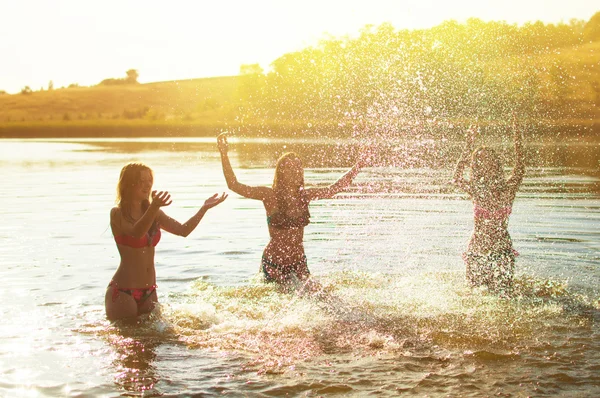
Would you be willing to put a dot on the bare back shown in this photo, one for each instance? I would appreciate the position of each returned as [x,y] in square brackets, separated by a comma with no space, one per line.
[491,211]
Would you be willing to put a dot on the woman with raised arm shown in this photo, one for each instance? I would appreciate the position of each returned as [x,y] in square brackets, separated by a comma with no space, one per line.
[490,257]
[286,204]
[136,222]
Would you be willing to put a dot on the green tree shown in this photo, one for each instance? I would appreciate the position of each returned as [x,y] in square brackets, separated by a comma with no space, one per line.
[132,76]
[251,69]
[591,31]
[249,91]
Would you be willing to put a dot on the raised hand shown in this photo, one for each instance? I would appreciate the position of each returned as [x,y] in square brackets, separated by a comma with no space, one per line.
[366,157]
[517,136]
[471,136]
[222,142]
[161,198]
[214,200]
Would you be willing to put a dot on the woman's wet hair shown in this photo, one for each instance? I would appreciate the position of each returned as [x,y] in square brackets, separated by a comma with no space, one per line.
[129,178]
[281,182]
[487,169]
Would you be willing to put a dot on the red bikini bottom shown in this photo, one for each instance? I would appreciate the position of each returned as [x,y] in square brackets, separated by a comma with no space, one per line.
[139,294]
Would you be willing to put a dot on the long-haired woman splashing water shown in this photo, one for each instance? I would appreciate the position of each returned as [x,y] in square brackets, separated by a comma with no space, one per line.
[286,204]
[136,222]
[490,257]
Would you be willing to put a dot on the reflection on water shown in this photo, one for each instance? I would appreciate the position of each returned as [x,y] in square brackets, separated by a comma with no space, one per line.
[394,152]
[394,314]
[134,363]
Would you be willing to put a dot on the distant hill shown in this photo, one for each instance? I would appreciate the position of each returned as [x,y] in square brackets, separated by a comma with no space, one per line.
[159,101]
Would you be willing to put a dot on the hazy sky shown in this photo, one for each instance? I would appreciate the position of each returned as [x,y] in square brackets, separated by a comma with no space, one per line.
[86,41]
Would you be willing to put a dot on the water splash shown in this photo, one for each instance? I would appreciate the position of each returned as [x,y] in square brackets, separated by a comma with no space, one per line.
[368,314]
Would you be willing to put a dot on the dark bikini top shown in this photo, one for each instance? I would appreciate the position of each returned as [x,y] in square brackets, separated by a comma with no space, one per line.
[138,243]
[500,214]
[280,221]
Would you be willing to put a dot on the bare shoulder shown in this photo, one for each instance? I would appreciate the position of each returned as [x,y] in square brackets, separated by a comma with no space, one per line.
[266,192]
[269,198]
[262,193]
[269,192]
[463,185]
[116,218]
[115,212]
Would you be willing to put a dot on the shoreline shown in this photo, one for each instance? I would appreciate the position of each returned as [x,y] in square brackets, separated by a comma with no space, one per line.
[542,129]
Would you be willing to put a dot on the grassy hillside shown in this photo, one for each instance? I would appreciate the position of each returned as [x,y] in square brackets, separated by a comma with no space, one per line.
[183,100]
[564,82]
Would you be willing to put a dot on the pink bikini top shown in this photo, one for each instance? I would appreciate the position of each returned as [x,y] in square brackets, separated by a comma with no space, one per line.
[138,243]
[500,214]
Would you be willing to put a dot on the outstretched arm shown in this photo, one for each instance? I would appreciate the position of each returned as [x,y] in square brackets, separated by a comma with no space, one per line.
[459,179]
[259,193]
[176,228]
[341,184]
[514,181]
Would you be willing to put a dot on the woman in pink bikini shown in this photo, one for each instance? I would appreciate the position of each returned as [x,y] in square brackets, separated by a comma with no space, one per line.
[490,257]
[136,222]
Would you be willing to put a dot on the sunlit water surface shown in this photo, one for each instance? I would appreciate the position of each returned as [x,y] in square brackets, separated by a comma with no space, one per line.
[397,317]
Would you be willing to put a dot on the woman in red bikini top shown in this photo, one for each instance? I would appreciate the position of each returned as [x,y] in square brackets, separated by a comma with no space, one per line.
[136,222]
[492,197]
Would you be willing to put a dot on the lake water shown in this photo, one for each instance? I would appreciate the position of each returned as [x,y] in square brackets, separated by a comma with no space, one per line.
[388,250]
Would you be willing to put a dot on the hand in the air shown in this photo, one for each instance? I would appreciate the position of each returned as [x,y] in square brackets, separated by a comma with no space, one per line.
[161,198]
[222,142]
[472,134]
[366,157]
[517,136]
[214,200]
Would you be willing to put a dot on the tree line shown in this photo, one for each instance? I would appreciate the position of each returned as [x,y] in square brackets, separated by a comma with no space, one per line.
[131,77]
[472,70]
